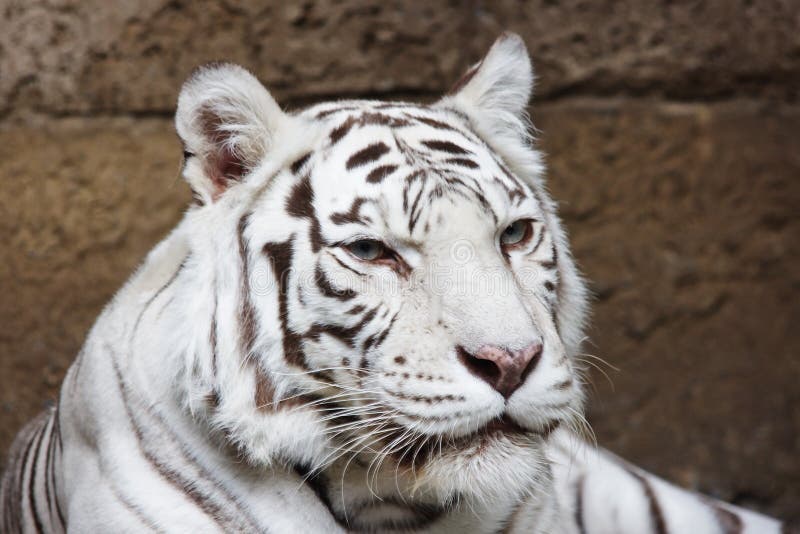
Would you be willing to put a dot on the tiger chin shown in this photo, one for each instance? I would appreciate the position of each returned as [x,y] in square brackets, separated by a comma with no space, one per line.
[366,321]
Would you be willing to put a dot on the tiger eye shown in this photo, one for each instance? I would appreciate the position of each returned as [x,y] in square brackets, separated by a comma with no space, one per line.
[515,233]
[367,249]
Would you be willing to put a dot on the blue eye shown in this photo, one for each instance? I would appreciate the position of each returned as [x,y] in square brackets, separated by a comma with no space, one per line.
[516,233]
[367,249]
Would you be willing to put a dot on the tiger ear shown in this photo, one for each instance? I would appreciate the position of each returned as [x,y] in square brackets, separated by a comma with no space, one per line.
[495,92]
[228,122]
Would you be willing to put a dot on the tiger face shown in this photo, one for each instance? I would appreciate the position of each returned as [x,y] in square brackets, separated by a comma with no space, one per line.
[405,297]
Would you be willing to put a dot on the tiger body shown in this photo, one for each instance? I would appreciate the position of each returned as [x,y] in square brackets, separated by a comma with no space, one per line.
[367,322]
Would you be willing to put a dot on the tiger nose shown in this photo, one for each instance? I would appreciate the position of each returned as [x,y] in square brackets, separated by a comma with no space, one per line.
[504,370]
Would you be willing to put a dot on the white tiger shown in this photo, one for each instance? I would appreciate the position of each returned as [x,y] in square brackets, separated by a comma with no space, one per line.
[366,322]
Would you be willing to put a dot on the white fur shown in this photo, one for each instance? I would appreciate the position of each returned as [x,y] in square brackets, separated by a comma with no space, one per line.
[159,415]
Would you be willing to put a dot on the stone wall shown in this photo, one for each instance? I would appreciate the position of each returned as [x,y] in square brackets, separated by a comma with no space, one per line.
[672,137]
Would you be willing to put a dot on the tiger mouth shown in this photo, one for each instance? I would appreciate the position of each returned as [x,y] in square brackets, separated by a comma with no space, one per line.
[502,425]
[472,444]
[506,426]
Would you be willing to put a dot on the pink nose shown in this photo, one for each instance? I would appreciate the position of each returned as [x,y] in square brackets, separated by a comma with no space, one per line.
[504,370]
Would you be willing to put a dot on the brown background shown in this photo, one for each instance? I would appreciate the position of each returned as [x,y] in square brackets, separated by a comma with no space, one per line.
[672,132]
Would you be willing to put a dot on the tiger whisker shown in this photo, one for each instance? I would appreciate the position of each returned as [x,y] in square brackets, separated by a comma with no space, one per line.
[386,451]
[598,368]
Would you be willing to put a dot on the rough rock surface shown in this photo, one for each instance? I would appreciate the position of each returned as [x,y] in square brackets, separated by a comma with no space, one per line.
[84,56]
[671,133]
[686,224]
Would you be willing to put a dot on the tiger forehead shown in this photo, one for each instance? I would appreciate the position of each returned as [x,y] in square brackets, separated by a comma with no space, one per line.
[432,152]
[345,119]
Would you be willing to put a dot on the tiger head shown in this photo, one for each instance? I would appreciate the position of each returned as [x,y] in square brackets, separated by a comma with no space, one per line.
[379,282]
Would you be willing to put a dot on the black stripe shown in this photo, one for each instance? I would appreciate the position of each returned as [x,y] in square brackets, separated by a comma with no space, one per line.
[538,241]
[515,193]
[551,263]
[212,334]
[326,287]
[513,179]
[136,511]
[446,146]
[579,506]
[656,515]
[74,372]
[371,117]
[434,123]
[156,295]
[365,118]
[280,256]
[324,113]
[57,422]
[366,155]
[16,514]
[234,518]
[49,468]
[478,194]
[57,418]
[462,162]
[554,318]
[396,105]
[412,221]
[298,163]
[379,173]
[300,204]
[344,265]
[318,482]
[410,179]
[728,521]
[13,479]
[247,313]
[352,215]
[344,334]
[375,341]
[340,131]
[453,181]
[32,479]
